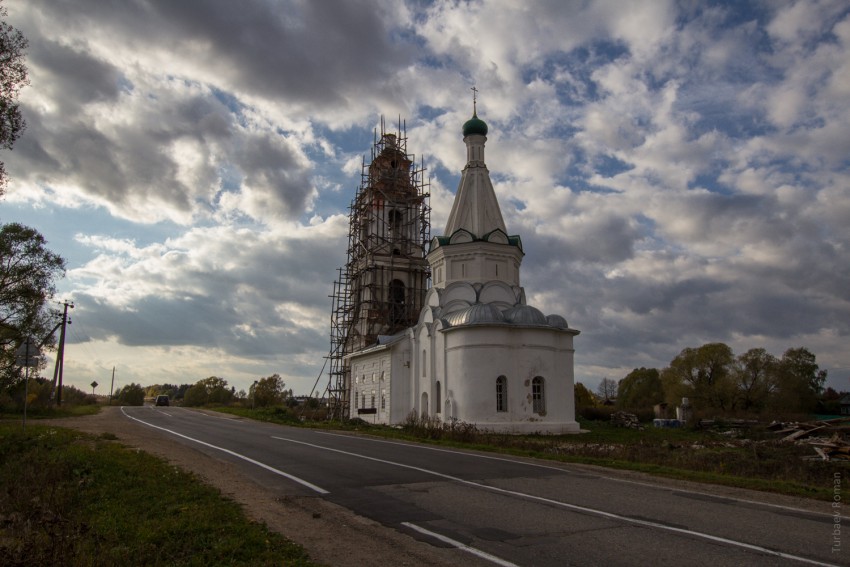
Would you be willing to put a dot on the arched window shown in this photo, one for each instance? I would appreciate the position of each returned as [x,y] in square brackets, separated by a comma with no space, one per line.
[395,218]
[538,395]
[424,363]
[383,400]
[397,302]
[438,403]
[373,399]
[363,400]
[424,405]
[355,400]
[501,394]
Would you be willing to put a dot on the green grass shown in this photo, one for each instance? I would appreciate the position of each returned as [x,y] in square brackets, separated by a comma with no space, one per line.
[74,499]
[757,461]
[52,412]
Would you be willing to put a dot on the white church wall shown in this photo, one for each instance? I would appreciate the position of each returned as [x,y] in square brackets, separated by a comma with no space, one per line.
[371,376]
[400,383]
[477,356]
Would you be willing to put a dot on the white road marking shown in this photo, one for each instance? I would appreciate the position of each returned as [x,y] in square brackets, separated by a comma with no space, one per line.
[575,507]
[461,546]
[300,481]
[559,469]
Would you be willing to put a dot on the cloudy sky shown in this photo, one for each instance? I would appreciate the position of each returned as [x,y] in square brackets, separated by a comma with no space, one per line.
[679,172]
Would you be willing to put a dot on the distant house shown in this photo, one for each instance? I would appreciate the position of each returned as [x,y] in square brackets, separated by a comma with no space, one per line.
[844,404]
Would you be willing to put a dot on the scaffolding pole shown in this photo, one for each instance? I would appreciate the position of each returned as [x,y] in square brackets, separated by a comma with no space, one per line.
[381,289]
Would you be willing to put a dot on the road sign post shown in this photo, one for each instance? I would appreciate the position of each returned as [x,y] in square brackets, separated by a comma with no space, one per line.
[27,355]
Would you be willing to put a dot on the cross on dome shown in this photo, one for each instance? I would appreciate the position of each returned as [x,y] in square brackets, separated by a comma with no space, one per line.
[474,125]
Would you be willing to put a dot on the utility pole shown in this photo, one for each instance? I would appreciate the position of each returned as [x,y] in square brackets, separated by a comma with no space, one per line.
[60,355]
[27,355]
[112,385]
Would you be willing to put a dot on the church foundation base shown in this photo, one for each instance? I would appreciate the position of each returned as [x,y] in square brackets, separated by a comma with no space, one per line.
[530,427]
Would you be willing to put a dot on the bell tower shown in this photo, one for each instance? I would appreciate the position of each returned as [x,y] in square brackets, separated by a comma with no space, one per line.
[381,289]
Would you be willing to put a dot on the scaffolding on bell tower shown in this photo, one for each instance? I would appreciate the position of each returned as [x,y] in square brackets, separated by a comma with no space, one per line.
[381,289]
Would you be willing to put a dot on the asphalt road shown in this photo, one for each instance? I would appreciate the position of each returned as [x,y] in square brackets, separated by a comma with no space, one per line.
[508,511]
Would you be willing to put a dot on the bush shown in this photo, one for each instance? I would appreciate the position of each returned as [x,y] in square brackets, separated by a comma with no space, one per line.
[432,427]
[131,395]
[76,397]
[602,413]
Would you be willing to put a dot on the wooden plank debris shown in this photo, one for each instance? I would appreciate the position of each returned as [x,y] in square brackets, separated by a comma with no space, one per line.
[827,437]
[623,419]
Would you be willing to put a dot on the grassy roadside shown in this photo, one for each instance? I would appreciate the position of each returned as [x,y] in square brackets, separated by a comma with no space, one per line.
[70,498]
[52,412]
[752,459]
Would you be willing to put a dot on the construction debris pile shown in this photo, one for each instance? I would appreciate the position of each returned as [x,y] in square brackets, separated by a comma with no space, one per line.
[827,437]
[623,419]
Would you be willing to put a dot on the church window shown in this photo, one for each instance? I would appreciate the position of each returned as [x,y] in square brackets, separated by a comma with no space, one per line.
[363,400]
[437,399]
[373,399]
[383,400]
[424,363]
[501,394]
[396,220]
[538,395]
[397,302]
[355,400]
[364,230]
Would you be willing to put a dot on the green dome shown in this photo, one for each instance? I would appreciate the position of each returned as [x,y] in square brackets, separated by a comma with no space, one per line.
[474,126]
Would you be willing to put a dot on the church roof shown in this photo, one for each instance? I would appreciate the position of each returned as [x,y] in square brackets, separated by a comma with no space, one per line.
[525,315]
[475,314]
[490,314]
[474,126]
[475,207]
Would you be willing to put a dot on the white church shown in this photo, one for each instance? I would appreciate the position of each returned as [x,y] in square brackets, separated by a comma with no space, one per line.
[471,349]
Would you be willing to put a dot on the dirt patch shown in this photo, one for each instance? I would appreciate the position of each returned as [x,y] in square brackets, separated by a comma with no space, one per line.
[331,534]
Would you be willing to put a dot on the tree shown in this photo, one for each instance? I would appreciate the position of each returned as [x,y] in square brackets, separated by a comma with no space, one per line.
[640,389]
[607,389]
[13,77]
[268,391]
[131,395]
[212,390]
[195,395]
[802,363]
[755,373]
[583,397]
[28,272]
[702,374]
[799,381]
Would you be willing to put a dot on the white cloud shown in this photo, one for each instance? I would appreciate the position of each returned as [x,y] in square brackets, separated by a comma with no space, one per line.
[678,172]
